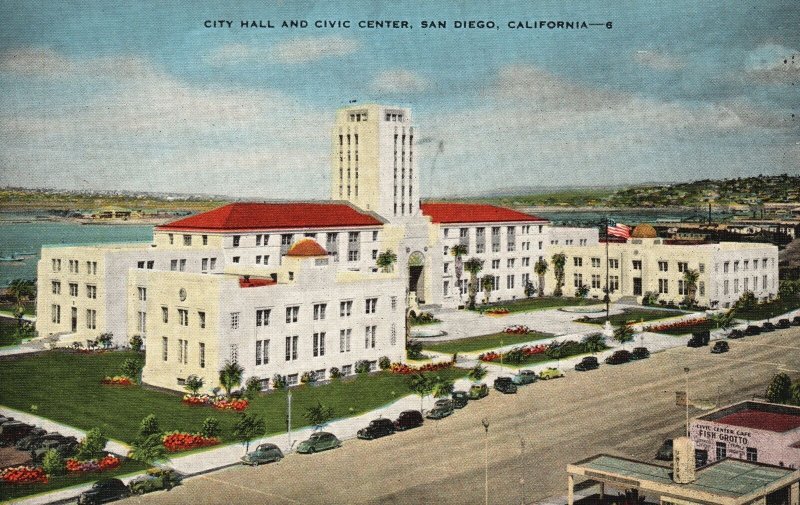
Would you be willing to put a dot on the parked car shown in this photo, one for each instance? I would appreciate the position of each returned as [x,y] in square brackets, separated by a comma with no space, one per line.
[664,452]
[505,385]
[587,363]
[377,428]
[524,377]
[104,490]
[796,321]
[550,373]
[32,439]
[640,353]
[720,346]
[698,340]
[13,431]
[767,327]
[736,334]
[478,391]
[320,441]
[460,399]
[619,357]
[264,453]
[408,419]
[4,420]
[65,446]
[442,408]
[752,330]
[159,478]
[783,324]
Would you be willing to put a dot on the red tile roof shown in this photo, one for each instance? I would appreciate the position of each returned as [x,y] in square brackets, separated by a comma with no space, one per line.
[274,216]
[306,247]
[758,420]
[255,282]
[474,213]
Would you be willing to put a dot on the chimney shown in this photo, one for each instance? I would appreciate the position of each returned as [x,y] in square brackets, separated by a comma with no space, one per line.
[683,460]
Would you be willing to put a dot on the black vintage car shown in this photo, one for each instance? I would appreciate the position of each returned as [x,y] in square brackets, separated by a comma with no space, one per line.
[783,324]
[767,327]
[699,339]
[736,334]
[752,330]
[104,490]
[460,399]
[586,364]
[377,428]
[640,353]
[408,419]
[720,346]
[796,321]
[618,358]
[13,431]
[505,385]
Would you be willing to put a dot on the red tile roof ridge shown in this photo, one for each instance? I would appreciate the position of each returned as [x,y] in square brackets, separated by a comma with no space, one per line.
[456,212]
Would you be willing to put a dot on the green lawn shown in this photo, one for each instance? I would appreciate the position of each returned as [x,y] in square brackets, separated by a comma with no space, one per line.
[545,302]
[768,310]
[9,491]
[484,342]
[30,307]
[629,315]
[66,388]
[8,330]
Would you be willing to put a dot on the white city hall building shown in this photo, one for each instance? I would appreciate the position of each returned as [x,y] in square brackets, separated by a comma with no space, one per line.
[290,288]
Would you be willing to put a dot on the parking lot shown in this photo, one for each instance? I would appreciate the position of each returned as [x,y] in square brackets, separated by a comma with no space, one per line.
[626,409]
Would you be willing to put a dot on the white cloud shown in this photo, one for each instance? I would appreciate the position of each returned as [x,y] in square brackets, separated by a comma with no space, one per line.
[658,60]
[398,81]
[773,63]
[295,51]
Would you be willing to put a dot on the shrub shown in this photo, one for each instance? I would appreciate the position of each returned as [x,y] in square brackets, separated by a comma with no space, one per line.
[414,349]
[278,381]
[308,378]
[318,415]
[53,463]
[149,426]
[334,373]
[384,362]
[132,368]
[779,389]
[136,342]
[478,372]
[105,339]
[193,384]
[252,387]
[362,366]
[650,298]
[211,428]
[91,447]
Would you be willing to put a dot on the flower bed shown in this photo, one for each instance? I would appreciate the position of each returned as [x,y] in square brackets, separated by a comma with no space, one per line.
[527,350]
[237,405]
[117,380]
[184,441]
[517,329]
[403,369]
[109,462]
[23,475]
[687,324]
[497,311]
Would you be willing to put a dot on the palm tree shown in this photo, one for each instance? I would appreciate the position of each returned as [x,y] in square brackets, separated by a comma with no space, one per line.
[540,268]
[458,251]
[386,260]
[690,279]
[559,261]
[421,385]
[594,342]
[442,388]
[21,291]
[623,334]
[230,376]
[477,373]
[723,320]
[473,266]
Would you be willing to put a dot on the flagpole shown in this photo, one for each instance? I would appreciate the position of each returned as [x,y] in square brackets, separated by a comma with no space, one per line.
[608,291]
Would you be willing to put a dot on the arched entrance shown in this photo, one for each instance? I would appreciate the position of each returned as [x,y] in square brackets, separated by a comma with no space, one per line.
[416,275]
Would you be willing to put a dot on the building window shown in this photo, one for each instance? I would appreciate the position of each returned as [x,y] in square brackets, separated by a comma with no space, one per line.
[183,317]
[374,236]
[235,259]
[234,349]
[663,266]
[510,262]
[702,288]
[319,344]
[212,263]
[205,239]
[683,266]
[202,355]
[613,283]
[173,265]
[735,266]
[164,348]
[509,282]
[735,285]
[142,327]
[202,317]
[234,320]
[291,348]
[319,311]
[446,288]
[73,289]
[183,351]
[164,315]
[262,317]
[56,265]
[595,281]
[262,352]
[171,239]
[55,312]
[752,454]
[682,287]
[56,288]
[725,267]
[526,262]
[725,287]
[352,255]
[663,286]
[91,291]
[495,264]
[613,263]
[722,450]
[577,280]
[578,262]
[91,319]
[291,314]
[345,308]
[142,294]
[187,240]
[236,239]
[344,340]
[369,337]
[371,306]
[393,335]
[637,264]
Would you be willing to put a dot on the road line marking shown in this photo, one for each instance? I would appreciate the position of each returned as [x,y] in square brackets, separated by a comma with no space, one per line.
[250,489]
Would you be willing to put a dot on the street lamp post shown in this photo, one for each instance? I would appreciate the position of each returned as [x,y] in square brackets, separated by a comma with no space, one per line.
[686,375]
[485,423]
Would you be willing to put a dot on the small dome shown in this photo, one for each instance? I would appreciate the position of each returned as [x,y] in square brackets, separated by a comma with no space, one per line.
[644,231]
[307,247]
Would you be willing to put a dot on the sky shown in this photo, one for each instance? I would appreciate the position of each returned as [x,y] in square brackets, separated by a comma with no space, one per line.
[142,96]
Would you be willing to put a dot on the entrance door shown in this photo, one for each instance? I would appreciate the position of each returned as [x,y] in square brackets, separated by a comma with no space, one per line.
[74,319]
[414,276]
[637,286]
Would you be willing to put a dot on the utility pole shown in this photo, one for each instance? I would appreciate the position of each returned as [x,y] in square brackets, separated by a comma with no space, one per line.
[686,374]
[485,423]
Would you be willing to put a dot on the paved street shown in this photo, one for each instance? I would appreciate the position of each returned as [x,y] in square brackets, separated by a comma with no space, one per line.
[626,410]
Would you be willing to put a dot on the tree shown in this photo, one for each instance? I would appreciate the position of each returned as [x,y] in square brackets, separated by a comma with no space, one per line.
[210,427]
[193,384]
[582,291]
[477,372]
[318,415]
[779,389]
[230,376]
[386,260]
[746,303]
[559,261]
[442,388]
[723,320]
[594,342]
[105,339]
[20,291]
[488,285]
[148,449]
[421,385]
[690,278]
[149,426]
[132,368]
[540,269]
[53,463]
[458,251]
[796,393]
[473,266]
[136,342]
[252,387]
[248,427]
[555,351]
[92,445]
[623,334]
[414,349]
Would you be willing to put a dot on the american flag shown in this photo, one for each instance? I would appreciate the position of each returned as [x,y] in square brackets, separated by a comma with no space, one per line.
[618,230]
